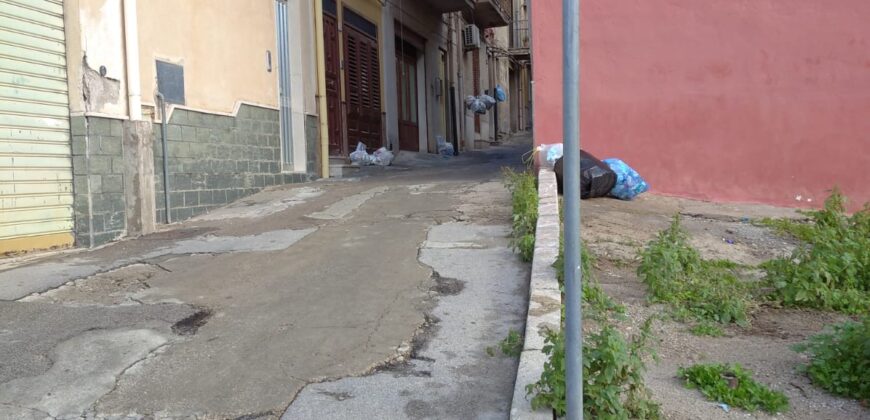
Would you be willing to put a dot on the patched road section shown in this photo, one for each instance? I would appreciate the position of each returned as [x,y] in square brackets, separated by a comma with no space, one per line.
[481,290]
[402,275]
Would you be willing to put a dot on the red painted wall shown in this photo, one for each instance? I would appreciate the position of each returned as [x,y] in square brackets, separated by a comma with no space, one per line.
[727,100]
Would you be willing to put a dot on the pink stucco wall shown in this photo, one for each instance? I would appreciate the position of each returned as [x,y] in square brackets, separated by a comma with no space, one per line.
[728,100]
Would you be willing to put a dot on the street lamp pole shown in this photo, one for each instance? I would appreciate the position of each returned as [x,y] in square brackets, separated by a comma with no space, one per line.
[571,187]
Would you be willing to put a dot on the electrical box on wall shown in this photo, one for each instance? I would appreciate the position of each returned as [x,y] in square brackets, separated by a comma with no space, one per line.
[170,82]
[471,37]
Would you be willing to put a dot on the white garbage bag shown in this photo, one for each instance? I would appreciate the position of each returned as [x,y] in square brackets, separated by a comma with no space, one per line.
[360,156]
[551,153]
[383,157]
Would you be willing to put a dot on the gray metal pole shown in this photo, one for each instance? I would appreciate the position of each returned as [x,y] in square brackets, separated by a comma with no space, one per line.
[165,120]
[571,188]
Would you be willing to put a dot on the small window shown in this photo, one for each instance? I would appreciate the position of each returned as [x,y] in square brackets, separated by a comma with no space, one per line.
[170,82]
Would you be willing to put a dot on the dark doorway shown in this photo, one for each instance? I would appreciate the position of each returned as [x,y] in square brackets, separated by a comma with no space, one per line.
[333,86]
[406,89]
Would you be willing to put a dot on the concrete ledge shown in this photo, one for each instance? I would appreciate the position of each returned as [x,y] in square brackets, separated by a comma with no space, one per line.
[545,299]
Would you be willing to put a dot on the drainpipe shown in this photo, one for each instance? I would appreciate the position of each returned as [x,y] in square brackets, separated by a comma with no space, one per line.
[163,121]
[131,48]
[321,88]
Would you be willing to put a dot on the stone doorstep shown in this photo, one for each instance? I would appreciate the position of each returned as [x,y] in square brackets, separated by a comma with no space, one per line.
[544,298]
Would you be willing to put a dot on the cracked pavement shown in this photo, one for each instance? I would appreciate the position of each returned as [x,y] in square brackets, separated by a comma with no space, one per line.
[398,279]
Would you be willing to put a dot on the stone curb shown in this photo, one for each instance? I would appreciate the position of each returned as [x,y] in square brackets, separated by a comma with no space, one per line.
[545,299]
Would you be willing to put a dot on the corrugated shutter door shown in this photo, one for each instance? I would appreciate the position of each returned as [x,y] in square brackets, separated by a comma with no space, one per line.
[35,157]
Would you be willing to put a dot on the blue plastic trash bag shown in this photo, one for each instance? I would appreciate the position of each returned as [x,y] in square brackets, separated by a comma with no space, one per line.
[500,94]
[629,183]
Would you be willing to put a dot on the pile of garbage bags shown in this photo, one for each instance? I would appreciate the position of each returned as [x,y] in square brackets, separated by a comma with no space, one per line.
[381,157]
[479,104]
[610,177]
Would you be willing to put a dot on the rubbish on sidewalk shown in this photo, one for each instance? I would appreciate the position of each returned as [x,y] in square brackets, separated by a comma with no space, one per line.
[596,178]
[629,183]
[361,157]
[444,148]
[479,104]
[383,157]
[475,104]
[489,101]
[551,153]
[500,94]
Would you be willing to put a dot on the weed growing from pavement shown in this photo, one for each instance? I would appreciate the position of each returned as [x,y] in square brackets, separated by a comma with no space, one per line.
[707,329]
[613,369]
[797,229]
[831,270]
[613,364]
[511,345]
[524,198]
[694,288]
[841,360]
[733,385]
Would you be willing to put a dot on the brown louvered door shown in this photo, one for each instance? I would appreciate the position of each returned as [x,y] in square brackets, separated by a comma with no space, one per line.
[333,88]
[362,75]
[406,89]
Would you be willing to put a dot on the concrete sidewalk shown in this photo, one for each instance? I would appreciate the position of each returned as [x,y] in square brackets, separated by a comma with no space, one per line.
[400,272]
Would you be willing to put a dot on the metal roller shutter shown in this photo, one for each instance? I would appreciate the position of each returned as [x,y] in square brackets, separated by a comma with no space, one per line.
[36,192]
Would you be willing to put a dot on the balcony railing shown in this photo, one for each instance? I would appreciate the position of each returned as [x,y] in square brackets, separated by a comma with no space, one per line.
[490,13]
[506,7]
[520,34]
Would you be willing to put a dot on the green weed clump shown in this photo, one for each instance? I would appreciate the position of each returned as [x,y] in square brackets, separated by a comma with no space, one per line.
[694,288]
[613,365]
[512,345]
[707,329]
[613,368]
[524,197]
[841,360]
[831,270]
[733,385]
[789,227]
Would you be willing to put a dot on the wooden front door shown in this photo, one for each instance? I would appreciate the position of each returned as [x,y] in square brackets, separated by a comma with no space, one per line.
[333,86]
[362,75]
[406,89]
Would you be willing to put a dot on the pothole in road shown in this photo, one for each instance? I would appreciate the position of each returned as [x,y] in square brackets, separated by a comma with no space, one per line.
[191,324]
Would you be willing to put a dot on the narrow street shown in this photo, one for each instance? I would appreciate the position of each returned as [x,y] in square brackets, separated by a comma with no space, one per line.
[369,297]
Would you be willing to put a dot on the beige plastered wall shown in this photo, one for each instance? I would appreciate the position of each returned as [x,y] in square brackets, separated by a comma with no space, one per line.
[222,45]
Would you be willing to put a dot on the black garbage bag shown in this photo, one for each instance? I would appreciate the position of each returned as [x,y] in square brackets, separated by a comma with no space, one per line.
[596,177]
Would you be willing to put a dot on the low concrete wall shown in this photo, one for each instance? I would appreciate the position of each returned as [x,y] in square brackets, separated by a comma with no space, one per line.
[545,299]
[98,180]
[217,159]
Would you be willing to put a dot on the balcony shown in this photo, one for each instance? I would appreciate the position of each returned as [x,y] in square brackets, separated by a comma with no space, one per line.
[447,6]
[520,39]
[490,13]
